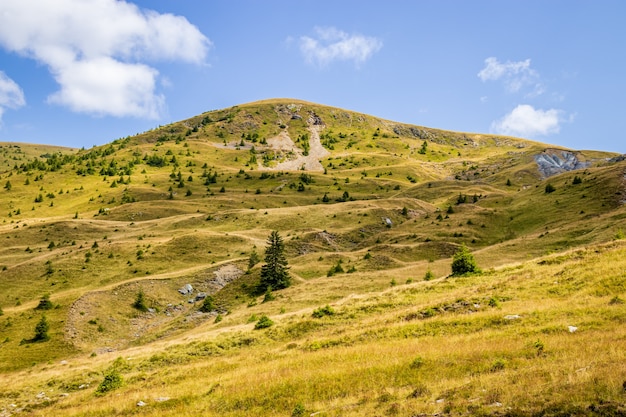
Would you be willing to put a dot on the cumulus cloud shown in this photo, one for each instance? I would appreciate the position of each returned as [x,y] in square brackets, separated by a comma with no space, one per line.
[97,50]
[331,44]
[515,75]
[526,121]
[11,95]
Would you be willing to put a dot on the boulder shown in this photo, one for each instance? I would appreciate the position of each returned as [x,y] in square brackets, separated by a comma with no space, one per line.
[187,289]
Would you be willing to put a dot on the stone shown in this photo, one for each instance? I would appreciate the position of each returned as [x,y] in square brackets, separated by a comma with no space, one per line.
[141,404]
[512,317]
[201,296]
[572,329]
[187,289]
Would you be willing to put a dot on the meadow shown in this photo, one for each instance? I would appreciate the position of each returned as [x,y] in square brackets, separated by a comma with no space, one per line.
[373,324]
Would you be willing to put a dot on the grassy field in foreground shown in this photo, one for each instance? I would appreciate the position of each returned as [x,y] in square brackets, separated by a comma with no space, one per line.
[524,340]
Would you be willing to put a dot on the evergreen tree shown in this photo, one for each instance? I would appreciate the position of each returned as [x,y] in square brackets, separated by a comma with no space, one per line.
[274,273]
[463,262]
[253,260]
[140,302]
[41,330]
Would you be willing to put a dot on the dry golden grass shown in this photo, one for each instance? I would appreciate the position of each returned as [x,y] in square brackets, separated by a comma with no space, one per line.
[396,345]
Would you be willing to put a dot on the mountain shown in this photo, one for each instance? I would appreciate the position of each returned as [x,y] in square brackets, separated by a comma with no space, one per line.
[119,245]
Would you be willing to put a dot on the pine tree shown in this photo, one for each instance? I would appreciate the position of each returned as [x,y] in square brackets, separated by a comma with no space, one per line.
[274,273]
[463,262]
[41,330]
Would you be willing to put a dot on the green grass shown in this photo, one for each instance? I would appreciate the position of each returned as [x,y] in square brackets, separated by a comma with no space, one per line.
[111,223]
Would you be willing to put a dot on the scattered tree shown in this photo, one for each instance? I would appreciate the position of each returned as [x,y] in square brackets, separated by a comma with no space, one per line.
[463,262]
[41,330]
[253,259]
[423,149]
[275,272]
[550,188]
[140,302]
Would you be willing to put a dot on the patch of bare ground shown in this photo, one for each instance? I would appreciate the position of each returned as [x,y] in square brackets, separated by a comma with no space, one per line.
[296,160]
[105,321]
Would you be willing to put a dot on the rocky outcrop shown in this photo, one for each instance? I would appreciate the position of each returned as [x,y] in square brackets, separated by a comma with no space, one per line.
[551,162]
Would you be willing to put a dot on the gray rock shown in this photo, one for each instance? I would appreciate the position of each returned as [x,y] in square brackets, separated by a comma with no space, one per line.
[552,162]
[187,289]
[201,296]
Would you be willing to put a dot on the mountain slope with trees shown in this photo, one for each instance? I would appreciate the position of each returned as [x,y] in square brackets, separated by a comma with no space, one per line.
[173,245]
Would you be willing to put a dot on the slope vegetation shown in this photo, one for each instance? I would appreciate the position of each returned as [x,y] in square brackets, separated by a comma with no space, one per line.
[366,208]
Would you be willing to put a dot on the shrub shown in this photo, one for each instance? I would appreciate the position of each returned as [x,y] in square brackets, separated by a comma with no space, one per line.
[269,296]
[463,262]
[429,275]
[45,303]
[140,302]
[550,188]
[298,411]
[323,311]
[263,323]
[207,305]
[335,269]
[112,380]
[417,363]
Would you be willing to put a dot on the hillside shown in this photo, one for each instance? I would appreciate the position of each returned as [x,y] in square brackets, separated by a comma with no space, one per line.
[86,231]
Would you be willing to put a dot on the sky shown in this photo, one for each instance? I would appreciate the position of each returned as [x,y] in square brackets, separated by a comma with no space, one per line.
[80,73]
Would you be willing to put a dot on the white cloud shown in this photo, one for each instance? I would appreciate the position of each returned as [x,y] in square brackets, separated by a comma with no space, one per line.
[11,95]
[526,121]
[104,86]
[331,44]
[96,50]
[515,75]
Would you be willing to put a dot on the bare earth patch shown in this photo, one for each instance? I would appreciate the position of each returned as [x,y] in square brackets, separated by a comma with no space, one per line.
[297,160]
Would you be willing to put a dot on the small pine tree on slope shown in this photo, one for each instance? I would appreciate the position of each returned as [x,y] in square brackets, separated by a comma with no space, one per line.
[275,272]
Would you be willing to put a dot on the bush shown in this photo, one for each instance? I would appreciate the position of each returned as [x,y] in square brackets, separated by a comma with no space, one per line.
[429,275]
[112,380]
[207,305]
[263,323]
[463,262]
[323,311]
[298,411]
[550,188]
[45,303]
[140,302]
[269,296]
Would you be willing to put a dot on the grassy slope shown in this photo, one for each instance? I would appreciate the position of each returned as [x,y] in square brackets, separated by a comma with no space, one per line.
[94,240]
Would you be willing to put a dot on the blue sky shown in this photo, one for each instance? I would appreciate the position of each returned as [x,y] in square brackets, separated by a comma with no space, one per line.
[85,72]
